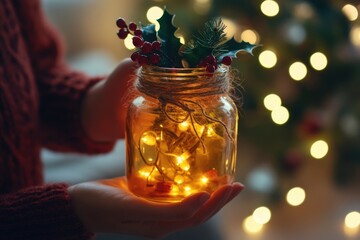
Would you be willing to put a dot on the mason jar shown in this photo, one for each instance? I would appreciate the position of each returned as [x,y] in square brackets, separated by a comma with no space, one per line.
[181,133]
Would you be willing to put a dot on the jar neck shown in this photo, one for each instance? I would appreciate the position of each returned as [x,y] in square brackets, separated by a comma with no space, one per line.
[158,82]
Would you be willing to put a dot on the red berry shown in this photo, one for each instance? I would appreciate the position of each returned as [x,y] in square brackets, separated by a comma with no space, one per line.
[135,56]
[227,60]
[138,33]
[210,68]
[132,26]
[155,45]
[120,22]
[163,187]
[143,60]
[210,59]
[137,41]
[146,47]
[154,58]
[122,33]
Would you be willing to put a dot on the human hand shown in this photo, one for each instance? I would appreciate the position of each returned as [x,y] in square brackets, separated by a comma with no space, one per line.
[109,206]
[104,105]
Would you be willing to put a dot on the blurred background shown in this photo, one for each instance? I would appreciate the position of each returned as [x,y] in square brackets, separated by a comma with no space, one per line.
[299,129]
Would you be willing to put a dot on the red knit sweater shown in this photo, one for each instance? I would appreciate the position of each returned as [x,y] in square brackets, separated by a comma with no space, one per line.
[40,102]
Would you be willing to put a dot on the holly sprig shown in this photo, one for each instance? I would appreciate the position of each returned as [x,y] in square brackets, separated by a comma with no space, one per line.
[208,48]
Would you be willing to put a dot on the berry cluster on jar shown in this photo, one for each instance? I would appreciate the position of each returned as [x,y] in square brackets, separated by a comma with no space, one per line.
[146,53]
[211,64]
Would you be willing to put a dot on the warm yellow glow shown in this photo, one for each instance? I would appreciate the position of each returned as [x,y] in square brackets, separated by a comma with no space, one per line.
[355,36]
[231,27]
[128,42]
[187,190]
[267,59]
[199,129]
[269,8]
[145,171]
[351,232]
[182,39]
[204,180]
[272,101]
[280,115]
[183,126]
[210,132]
[179,179]
[319,149]
[184,166]
[149,138]
[202,7]
[250,36]
[350,12]
[296,196]
[318,61]
[297,71]
[262,215]
[154,13]
[352,220]
[251,226]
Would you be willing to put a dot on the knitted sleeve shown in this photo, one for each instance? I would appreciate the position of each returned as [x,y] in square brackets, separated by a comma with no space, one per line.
[61,90]
[40,213]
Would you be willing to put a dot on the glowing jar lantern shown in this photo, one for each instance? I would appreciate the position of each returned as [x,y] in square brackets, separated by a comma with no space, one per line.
[181,133]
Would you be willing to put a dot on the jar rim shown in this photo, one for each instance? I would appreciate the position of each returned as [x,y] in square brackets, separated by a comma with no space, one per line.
[166,70]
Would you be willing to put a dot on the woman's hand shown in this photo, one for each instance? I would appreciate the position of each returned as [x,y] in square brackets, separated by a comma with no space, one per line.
[104,106]
[108,206]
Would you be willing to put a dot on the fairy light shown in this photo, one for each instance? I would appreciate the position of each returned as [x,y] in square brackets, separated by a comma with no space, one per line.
[149,139]
[187,190]
[184,126]
[355,36]
[154,13]
[268,59]
[262,215]
[251,226]
[318,61]
[272,101]
[231,27]
[210,132]
[128,42]
[250,36]
[350,12]
[179,179]
[295,196]
[204,180]
[270,8]
[145,171]
[280,115]
[297,71]
[319,149]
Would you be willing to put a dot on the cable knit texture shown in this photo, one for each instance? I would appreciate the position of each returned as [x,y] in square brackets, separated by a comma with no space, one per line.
[40,101]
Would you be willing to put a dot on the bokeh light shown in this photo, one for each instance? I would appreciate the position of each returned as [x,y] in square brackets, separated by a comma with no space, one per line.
[154,13]
[295,196]
[318,61]
[297,71]
[280,115]
[262,215]
[202,7]
[319,149]
[272,101]
[352,219]
[251,226]
[268,59]
[350,12]
[231,27]
[250,36]
[355,35]
[128,42]
[270,8]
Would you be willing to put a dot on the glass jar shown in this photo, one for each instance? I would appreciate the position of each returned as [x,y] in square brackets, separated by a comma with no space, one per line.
[181,133]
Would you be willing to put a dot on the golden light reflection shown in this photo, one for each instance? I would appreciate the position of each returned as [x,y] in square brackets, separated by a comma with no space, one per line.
[352,219]
[350,12]
[272,101]
[268,59]
[295,196]
[251,226]
[184,126]
[298,71]
[204,180]
[128,42]
[280,115]
[318,61]
[154,13]
[270,8]
[319,149]
[250,36]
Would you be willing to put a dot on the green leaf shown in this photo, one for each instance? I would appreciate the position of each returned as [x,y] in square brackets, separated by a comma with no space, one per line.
[170,44]
[195,53]
[232,47]
[149,33]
